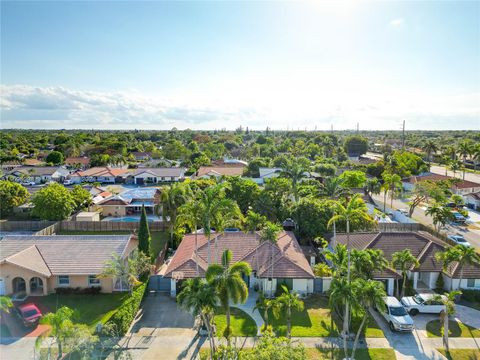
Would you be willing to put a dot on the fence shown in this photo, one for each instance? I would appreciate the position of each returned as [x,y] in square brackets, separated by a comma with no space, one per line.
[104,226]
[24,225]
[161,256]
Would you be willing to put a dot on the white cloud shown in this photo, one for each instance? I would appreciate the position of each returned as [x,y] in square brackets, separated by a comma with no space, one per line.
[25,106]
[397,23]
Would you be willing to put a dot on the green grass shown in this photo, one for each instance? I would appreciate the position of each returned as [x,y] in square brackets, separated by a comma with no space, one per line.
[158,237]
[4,331]
[360,354]
[240,322]
[455,329]
[315,321]
[89,309]
[461,354]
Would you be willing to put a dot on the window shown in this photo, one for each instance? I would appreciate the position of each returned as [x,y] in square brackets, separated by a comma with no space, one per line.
[93,280]
[63,280]
[470,283]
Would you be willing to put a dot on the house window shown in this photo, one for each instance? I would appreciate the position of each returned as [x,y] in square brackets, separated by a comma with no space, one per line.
[470,283]
[93,280]
[63,280]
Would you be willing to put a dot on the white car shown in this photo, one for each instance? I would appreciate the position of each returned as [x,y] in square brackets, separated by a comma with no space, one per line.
[68,182]
[459,239]
[396,315]
[28,183]
[423,303]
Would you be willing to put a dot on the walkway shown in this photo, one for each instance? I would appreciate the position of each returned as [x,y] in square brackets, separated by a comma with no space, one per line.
[249,308]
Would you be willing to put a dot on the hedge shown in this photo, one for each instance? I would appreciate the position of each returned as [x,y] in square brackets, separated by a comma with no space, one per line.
[126,312]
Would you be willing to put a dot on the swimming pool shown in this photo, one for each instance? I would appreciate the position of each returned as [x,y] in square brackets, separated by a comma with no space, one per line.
[130,219]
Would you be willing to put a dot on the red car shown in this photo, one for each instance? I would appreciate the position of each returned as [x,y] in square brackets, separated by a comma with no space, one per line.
[29,314]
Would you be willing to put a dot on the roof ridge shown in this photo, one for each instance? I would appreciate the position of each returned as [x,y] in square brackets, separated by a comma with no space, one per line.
[423,252]
[376,237]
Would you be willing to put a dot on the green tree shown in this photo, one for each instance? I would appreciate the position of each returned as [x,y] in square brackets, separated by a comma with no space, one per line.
[287,302]
[440,215]
[144,238]
[391,183]
[424,191]
[333,187]
[127,273]
[270,234]
[228,283]
[404,260]
[356,145]
[465,149]
[53,202]
[254,221]
[353,179]
[200,298]
[311,216]
[463,255]
[455,165]
[5,304]
[55,158]
[448,301]
[430,146]
[80,196]
[244,191]
[295,170]
[373,186]
[341,295]
[11,195]
[265,305]
[171,198]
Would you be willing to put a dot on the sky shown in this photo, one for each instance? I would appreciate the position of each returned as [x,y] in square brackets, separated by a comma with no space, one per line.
[213,65]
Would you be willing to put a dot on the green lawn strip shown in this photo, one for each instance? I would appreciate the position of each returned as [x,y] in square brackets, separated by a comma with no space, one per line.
[158,237]
[241,323]
[360,354]
[461,354]
[456,329]
[315,321]
[89,309]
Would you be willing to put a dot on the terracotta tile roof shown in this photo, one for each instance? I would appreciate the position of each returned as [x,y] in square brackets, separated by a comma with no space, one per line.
[77,160]
[463,184]
[32,162]
[64,254]
[289,260]
[102,171]
[220,170]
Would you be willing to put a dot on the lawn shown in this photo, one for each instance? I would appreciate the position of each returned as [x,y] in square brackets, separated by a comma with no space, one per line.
[456,329]
[158,237]
[240,322]
[360,354]
[461,354]
[315,321]
[89,309]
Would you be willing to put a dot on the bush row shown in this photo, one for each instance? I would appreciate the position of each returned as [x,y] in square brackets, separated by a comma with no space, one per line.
[126,312]
[471,295]
[92,290]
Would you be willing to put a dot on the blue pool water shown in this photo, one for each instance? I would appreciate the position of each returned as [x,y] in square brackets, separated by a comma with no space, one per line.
[129,219]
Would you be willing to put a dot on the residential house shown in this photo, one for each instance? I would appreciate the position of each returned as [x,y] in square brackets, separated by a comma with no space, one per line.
[141,155]
[39,174]
[156,175]
[221,170]
[424,247]
[82,162]
[37,265]
[290,266]
[462,187]
[473,200]
[130,202]
[100,174]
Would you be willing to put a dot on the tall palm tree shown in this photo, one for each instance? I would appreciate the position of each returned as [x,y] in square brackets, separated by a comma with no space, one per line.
[404,260]
[430,146]
[229,216]
[354,211]
[60,327]
[295,170]
[461,254]
[455,165]
[341,294]
[287,302]
[270,234]
[228,283]
[440,215]
[465,149]
[338,258]
[200,298]
[373,186]
[265,305]
[448,301]
[476,156]
[190,214]
[171,198]
[332,187]
[391,182]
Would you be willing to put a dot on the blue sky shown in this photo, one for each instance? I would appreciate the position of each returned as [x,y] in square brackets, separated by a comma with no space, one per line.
[206,65]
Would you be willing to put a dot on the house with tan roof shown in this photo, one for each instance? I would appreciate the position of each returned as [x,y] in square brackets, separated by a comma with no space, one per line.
[37,265]
[290,266]
[81,162]
[460,187]
[100,174]
[424,247]
[221,168]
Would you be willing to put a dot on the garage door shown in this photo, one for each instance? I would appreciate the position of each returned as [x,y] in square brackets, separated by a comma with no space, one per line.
[2,287]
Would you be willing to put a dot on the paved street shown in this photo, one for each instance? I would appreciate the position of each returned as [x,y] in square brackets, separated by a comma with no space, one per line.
[438,169]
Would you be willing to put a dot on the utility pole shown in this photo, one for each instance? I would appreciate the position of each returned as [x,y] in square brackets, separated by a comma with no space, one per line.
[358,127]
[403,136]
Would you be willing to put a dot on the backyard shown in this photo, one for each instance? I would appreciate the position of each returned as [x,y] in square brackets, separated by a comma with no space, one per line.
[158,237]
[315,320]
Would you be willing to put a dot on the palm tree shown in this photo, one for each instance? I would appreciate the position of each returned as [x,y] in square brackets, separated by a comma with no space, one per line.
[391,182]
[200,298]
[287,302]
[295,169]
[190,214]
[332,188]
[265,305]
[341,294]
[126,272]
[476,156]
[447,257]
[228,283]
[354,211]
[448,300]
[253,221]
[338,258]
[440,215]
[455,165]
[367,293]
[366,262]
[461,254]
[430,147]
[171,198]
[229,215]
[445,161]
[5,304]
[465,149]
[270,233]
[373,186]
[404,260]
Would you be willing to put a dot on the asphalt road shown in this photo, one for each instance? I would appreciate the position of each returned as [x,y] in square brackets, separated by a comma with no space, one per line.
[438,169]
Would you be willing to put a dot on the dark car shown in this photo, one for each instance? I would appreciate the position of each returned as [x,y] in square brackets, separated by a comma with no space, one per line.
[29,314]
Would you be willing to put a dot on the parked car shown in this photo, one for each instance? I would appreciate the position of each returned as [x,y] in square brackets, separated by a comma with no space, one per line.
[68,182]
[459,239]
[458,218]
[28,183]
[396,315]
[423,303]
[29,314]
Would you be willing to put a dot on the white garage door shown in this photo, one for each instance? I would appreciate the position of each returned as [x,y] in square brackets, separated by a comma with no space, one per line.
[2,287]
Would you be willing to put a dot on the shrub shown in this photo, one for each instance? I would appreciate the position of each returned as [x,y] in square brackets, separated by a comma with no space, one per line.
[322,270]
[471,295]
[409,290]
[92,290]
[126,312]
[439,284]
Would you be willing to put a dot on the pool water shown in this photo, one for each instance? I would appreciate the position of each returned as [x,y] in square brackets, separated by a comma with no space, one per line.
[129,219]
